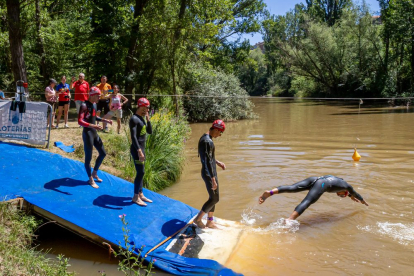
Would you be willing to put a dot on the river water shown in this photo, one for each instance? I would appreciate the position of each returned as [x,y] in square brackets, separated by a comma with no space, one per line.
[290,141]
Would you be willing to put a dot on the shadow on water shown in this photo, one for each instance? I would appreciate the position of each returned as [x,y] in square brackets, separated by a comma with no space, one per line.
[64,182]
[106,201]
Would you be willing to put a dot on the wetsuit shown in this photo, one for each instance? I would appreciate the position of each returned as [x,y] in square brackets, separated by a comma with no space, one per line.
[139,129]
[87,116]
[316,187]
[206,151]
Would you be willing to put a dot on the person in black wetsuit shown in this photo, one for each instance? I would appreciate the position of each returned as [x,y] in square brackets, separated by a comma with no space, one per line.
[206,151]
[316,187]
[139,127]
[87,118]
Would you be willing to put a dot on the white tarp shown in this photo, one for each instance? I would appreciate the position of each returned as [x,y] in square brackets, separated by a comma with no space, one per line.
[29,127]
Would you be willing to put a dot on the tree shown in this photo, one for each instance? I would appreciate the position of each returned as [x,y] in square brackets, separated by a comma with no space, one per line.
[328,11]
[15,38]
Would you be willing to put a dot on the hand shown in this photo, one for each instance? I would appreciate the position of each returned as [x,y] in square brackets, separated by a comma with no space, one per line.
[221,165]
[109,121]
[147,115]
[141,155]
[73,79]
[355,199]
[363,202]
[213,184]
[98,127]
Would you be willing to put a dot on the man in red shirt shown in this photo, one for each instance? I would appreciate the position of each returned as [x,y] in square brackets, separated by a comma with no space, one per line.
[81,90]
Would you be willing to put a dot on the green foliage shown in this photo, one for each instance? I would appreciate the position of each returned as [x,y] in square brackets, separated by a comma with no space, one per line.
[253,73]
[130,263]
[17,257]
[346,53]
[164,150]
[214,95]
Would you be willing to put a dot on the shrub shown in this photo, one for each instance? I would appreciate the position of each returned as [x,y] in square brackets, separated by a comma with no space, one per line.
[213,94]
[164,150]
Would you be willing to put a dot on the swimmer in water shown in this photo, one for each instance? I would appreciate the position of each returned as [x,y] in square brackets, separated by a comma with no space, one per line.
[316,187]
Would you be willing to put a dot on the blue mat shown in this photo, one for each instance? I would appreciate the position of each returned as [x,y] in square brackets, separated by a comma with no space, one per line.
[63,147]
[59,186]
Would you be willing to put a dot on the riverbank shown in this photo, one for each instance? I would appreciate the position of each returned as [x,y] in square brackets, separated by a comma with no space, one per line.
[17,256]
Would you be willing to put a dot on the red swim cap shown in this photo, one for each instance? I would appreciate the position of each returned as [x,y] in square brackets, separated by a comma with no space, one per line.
[219,124]
[143,102]
[94,91]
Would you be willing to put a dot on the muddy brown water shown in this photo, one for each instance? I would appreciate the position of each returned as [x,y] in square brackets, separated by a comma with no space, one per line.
[290,141]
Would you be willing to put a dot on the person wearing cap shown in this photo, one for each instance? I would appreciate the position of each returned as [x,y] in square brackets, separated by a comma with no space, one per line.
[81,88]
[206,151]
[87,119]
[51,99]
[139,128]
[316,187]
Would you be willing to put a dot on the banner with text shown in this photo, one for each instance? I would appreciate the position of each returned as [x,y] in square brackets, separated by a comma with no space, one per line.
[25,121]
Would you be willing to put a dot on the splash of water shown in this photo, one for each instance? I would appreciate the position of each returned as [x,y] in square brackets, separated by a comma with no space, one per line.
[249,217]
[402,233]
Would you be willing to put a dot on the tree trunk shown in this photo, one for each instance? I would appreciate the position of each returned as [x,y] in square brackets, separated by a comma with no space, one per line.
[15,38]
[40,45]
[133,48]
[176,39]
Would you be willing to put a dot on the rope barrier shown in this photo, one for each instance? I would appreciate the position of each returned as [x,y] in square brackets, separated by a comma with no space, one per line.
[246,97]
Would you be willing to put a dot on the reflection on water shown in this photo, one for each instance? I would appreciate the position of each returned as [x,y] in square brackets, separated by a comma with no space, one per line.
[291,141]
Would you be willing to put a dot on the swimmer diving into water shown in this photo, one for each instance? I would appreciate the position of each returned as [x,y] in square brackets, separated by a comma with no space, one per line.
[316,187]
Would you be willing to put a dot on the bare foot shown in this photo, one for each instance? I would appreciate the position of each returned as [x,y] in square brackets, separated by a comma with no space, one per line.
[211,225]
[264,196]
[96,177]
[93,184]
[145,199]
[139,202]
[200,224]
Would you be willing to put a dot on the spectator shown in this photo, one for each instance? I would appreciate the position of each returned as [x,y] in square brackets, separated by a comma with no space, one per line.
[51,99]
[2,97]
[116,101]
[64,101]
[81,90]
[103,104]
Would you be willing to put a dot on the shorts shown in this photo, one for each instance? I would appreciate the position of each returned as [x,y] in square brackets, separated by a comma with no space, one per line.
[103,105]
[117,113]
[63,103]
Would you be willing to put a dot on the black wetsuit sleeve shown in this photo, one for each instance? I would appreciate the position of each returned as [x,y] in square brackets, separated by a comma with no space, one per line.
[99,119]
[353,193]
[134,128]
[149,127]
[208,160]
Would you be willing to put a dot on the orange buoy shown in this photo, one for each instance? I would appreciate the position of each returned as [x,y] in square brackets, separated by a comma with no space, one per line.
[356,155]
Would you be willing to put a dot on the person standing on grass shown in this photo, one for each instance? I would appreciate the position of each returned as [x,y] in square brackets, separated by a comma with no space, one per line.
[116,101]
[87,118]
[103,104]
[81,88]
[139,128]
[64,101]
[206,151]
[51,99]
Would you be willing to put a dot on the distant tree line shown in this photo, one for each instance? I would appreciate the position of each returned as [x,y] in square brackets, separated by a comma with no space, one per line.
[145,46]
[335,48]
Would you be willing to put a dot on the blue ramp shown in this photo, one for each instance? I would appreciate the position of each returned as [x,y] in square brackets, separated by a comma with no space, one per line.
[59,185]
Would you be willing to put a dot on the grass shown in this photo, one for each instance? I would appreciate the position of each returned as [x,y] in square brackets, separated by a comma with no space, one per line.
[17,256]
